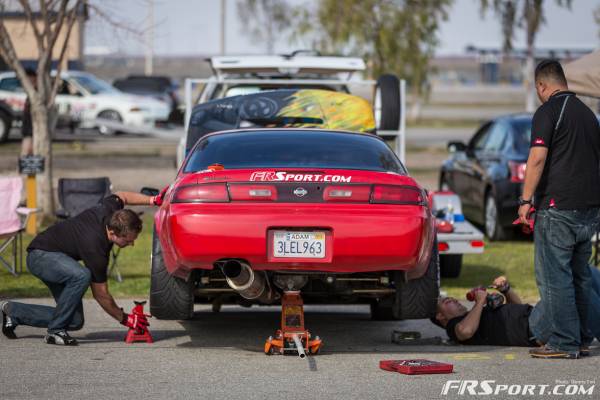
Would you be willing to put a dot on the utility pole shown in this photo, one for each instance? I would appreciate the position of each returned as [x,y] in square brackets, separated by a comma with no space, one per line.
[149,59]
[223,26]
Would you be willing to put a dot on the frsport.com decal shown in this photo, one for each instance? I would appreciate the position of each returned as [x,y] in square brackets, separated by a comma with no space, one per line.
[269,176]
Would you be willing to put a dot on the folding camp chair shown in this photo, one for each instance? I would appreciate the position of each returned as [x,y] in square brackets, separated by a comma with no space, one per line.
[13,220]
[77,195]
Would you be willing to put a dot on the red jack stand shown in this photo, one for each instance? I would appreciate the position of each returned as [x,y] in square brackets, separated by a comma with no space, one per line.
[292,337]
[139,334]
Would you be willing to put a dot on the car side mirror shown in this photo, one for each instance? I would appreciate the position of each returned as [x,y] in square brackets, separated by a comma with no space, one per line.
[454,147]
[148,191]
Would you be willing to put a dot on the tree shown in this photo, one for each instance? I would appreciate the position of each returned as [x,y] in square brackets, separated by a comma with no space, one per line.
[51,25]
[265,19]
[393,36]
[527,14]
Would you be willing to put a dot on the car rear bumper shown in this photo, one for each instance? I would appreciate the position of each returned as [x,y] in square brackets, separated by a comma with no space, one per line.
[363,238]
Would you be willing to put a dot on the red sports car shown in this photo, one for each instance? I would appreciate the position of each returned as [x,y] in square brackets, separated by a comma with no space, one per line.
[334,214]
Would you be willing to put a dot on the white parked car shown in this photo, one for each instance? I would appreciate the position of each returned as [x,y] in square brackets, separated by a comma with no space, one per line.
[90,102]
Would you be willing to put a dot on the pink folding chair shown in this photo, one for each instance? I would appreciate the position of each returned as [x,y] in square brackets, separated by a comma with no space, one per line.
[13,220]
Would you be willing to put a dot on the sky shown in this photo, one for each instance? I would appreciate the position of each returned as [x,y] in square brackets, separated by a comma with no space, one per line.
[192,27]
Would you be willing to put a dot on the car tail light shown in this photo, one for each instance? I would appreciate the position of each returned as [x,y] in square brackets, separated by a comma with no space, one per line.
[443,246]
[387,194]
[517,171]
[244,192]
[206,193]
[477,243]
[350,193]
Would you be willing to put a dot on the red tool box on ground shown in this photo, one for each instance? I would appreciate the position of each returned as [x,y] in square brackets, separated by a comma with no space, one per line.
[416,367]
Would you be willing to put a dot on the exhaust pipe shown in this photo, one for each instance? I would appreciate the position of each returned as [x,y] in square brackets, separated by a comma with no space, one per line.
[249,284]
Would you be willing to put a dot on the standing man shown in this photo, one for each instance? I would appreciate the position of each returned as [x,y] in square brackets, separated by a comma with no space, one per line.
[53,257]
[563,173]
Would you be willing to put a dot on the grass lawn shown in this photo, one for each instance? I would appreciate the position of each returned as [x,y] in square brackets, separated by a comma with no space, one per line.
[514,259]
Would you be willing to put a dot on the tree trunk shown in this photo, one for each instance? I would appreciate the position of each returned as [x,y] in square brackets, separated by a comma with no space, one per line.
[42,120]
[528,83]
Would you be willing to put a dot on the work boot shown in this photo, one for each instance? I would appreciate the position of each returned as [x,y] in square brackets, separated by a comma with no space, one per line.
[8,325]
[61,338]
[548,352]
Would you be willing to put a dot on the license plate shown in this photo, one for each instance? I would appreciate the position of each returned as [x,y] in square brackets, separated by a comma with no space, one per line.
[294,244]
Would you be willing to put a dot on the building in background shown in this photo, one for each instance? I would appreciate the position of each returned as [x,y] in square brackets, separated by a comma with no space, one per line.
[23,38]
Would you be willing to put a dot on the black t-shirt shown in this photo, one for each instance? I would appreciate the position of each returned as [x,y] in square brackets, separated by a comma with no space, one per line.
[83,237]
[507,325]
[571,176]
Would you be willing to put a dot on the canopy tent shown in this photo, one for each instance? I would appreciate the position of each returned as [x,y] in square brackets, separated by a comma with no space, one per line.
[583,75]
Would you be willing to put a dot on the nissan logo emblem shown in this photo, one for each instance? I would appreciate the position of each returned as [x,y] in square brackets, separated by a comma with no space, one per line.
[300,192]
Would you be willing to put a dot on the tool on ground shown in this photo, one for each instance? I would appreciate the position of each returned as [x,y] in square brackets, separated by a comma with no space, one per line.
[413,338]
[493,300]
[416,367]
[139,332]
[292,337]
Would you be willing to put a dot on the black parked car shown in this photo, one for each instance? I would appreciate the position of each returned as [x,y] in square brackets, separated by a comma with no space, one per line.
[488,173]
[160,87]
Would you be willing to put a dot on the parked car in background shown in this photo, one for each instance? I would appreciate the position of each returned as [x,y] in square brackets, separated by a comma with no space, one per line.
[6,119]
[159,87]
[488,173]
[90,102]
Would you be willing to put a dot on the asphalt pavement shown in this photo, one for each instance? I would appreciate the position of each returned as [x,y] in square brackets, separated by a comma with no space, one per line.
[220,356]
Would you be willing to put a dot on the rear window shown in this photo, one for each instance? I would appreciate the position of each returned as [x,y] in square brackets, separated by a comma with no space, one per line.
[294,149]
[522,132]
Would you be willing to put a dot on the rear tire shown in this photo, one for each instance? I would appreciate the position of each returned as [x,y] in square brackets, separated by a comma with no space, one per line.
[418,298]
[415,299]
[170,297]
[5,126]
[386,106]
[450,265]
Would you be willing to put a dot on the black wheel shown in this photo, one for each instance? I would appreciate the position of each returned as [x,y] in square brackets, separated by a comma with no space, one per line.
[5,125]
[450,265]
[386,106]
[110,115]
[382,310]
[417,298]
[493,229]
[170,297]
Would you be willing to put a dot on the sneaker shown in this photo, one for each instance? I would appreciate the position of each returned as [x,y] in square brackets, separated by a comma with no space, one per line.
[8,325]
[584,351]
[548,352]
[61,338]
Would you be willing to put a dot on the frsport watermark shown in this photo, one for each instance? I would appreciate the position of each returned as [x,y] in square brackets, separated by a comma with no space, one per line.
[491,387]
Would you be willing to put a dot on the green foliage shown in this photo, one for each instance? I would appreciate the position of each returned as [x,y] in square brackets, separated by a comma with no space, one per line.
[394,36]
[529,16]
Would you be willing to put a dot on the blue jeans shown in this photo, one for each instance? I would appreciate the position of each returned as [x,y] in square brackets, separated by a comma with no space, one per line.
[562,252]
[67,280]
[594,313]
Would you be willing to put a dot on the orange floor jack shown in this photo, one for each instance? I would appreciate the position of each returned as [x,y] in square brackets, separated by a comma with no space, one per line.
[139,334]
[292,337]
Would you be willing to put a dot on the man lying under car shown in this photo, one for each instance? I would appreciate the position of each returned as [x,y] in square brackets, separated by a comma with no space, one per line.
[510,324]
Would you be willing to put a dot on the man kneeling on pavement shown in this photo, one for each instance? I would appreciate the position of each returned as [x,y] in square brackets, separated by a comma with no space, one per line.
[510,324]
[53,257]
